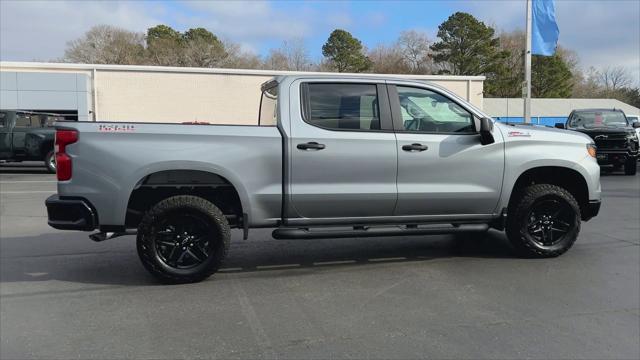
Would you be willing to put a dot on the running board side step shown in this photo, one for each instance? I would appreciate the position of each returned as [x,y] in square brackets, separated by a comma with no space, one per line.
[361,231]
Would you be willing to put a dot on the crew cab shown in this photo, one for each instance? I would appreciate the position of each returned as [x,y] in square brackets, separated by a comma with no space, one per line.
[615,137]
[27,136]
[330,156]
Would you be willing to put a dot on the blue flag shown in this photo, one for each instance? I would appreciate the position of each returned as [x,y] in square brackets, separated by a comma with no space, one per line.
[544,29]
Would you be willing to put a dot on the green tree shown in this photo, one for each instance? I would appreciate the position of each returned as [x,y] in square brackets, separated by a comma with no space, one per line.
[345,52]
[202,49]
[162,32]
[550,77]
[468,47]
[164,46]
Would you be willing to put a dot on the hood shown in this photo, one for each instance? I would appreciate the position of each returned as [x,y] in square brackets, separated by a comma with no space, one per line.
[537,132]
[605,130]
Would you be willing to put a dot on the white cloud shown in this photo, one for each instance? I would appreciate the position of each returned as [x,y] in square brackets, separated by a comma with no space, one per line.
[39,30]
[603,33]
[248,21]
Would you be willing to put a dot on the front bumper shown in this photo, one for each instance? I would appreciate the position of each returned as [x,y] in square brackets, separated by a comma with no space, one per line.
[614,157]
[71,213]
[591,210]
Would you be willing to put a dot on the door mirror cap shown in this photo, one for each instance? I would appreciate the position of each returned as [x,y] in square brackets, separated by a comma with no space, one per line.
[486,127]
[560,125]
[636,124]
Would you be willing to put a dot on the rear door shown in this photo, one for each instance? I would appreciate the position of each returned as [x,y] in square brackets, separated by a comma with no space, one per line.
[342,147]
[442,167]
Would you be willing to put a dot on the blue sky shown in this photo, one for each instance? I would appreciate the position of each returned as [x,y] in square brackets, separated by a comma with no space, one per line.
[602,32]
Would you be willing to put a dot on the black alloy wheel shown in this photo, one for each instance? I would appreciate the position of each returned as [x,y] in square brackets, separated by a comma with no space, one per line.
[183,240]
[549,221]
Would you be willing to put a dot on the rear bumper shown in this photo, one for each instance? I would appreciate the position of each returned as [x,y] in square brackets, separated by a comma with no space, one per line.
[71,213]
[592,209]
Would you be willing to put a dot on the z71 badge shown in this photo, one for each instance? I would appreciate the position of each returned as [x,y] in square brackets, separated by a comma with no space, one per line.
[116,128]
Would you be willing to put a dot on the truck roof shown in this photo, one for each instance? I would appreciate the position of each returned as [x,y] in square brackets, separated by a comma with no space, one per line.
[596,109]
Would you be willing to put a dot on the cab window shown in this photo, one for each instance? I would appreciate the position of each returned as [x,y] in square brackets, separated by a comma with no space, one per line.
[428,111]
[341,106]
[23,121]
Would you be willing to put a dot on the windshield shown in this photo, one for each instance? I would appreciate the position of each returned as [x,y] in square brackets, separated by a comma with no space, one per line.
[597,119]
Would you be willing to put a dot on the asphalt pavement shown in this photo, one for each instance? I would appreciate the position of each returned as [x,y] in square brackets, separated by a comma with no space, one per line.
[63,296]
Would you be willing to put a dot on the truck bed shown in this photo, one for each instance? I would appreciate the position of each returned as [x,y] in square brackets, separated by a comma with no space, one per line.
[111,159]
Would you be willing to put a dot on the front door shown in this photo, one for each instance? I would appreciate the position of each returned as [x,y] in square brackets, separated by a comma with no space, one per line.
[343,156]
[442,167]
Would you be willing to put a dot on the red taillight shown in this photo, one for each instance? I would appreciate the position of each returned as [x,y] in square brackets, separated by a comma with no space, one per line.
[63,161]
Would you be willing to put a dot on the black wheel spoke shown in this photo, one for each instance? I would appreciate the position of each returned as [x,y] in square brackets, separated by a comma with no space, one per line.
[549,220]
[194,254]
[183,241]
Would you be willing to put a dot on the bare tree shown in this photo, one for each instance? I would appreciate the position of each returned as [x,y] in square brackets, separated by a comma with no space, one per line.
[389,60]
[239,59]
[614,78]
[276,60]
[104,44]
[291,55]
[414,46]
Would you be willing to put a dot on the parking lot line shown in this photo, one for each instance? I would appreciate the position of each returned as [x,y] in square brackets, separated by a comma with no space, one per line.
[28,181]
[29,192]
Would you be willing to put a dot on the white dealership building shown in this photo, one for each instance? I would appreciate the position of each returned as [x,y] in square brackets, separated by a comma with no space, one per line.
[224,96]
[159,94]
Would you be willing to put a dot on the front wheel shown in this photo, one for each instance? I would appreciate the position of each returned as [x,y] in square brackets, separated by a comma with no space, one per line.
[544,221]
[50,162]
[630,166]
[183,239]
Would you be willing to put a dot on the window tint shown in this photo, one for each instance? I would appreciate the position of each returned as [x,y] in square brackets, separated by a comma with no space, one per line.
[23,121]
[3,119]
[343,106]
[425,110]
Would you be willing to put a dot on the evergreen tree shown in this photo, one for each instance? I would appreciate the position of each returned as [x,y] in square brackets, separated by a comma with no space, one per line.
[345,53]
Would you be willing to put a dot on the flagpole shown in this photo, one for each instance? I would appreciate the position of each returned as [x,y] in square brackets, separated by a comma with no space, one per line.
[527,68]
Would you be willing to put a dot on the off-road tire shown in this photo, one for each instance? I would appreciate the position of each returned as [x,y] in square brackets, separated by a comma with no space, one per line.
[519,211]
[148,252]
[48,162]
[630,166]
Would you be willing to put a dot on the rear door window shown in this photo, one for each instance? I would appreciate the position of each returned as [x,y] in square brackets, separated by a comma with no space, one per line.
[336,106]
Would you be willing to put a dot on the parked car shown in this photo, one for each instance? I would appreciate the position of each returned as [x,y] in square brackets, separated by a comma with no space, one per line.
[614,136]
[330,157]
[28,136]
[633,119]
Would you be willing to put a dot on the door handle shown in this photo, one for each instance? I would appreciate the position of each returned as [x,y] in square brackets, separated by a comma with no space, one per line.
[415,147]
[311,146]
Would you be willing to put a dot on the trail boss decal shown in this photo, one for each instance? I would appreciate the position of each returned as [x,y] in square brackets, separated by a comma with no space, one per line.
[519,134]
[116,128]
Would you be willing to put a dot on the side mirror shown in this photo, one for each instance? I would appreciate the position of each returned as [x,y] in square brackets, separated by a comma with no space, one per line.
[636,124]
[486,127]
[560,125]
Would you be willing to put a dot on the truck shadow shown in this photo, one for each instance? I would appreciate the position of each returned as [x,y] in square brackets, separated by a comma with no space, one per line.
[11,168]
[120,265]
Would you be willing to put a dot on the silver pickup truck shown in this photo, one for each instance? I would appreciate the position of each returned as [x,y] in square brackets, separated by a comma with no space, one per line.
[329,156]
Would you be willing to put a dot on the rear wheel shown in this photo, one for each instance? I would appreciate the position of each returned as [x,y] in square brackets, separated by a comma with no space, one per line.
[630,166]
[544,221]
[50,162]
[183,239]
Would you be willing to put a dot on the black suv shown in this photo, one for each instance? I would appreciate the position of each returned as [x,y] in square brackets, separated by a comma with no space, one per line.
[615,137]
